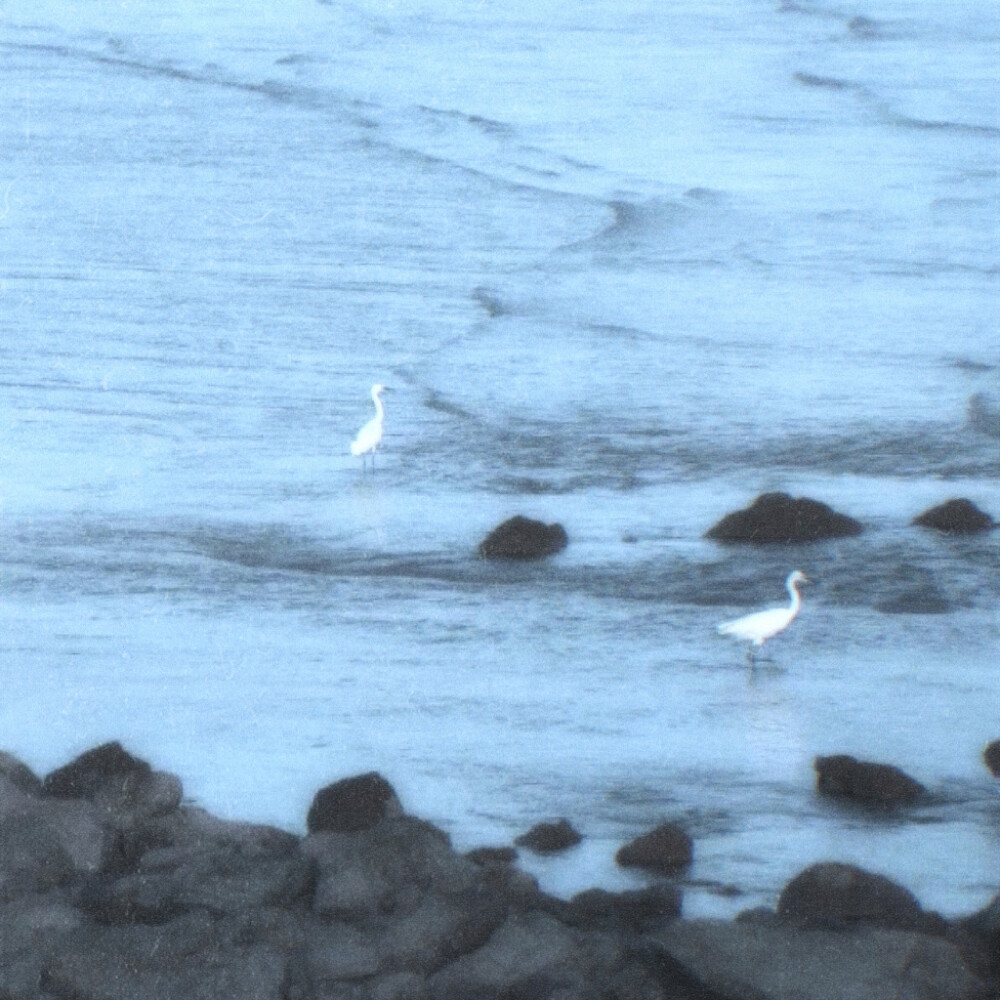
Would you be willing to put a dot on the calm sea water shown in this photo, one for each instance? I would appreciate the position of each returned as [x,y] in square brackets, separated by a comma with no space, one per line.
[625,266]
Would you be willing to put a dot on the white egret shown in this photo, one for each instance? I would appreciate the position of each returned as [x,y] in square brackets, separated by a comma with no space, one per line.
[370,436]
[757,628]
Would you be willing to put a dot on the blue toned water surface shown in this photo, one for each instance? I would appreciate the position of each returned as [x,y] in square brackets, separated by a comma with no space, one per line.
[625,265]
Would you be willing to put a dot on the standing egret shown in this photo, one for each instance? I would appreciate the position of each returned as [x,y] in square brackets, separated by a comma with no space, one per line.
[757,628]
[370,436]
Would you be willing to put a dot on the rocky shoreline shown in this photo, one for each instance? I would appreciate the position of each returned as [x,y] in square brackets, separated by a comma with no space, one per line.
[113,888]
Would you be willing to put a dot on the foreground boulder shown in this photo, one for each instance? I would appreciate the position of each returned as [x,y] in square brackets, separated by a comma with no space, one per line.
[531,955]
[778,517]
[101,899]
[774,961]
[123,788]
[633,909]
[883,785]
[416,902]
[19,774]
[666,849]
[955,517]
[87,775]
[492,856]
[352,804]
[985,925]
[522,538]
[831,894]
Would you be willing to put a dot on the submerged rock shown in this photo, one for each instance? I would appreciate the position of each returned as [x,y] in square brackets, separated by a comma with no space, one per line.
[884,785]
[522,538]
[955,517]
[666,849]
[778,517]
[547,838]
[983,414]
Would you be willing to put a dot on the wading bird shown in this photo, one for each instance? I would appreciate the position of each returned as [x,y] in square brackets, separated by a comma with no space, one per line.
[757,628]
[370,436]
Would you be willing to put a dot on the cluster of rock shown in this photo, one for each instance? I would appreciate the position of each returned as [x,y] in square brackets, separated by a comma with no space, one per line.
[778,517]
[112,887]
[771,518]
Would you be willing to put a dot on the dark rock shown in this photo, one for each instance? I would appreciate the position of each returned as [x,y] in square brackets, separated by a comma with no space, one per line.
[778,962]
[830,894]
[984,926]
[46,843]
[666,849]
[386,870]
[217,878]
[192,826]
[547,838]
[352,804]
[955,517]
[882,785]
[32,930]
[32,859]
[492,855]
[124,790]
[757,915]
[634,910]
[84,777]
[337,952]
[408,890]
[522,538]
[777,517]
[104,898]
[991,757]
[187,959]
[532,955]
[19,774]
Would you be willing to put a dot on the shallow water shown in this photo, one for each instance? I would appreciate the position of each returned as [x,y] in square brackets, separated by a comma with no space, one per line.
[624,268]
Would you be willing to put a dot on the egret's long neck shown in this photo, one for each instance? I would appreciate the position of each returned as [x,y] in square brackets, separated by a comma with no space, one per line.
[793,591]
[379,412]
